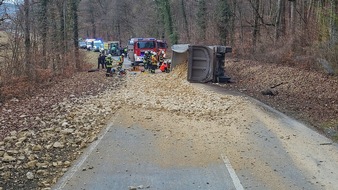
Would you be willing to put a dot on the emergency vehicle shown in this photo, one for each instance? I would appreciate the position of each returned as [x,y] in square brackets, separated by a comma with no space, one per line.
[89,43]
[97,45]
[113,48]
[138,46]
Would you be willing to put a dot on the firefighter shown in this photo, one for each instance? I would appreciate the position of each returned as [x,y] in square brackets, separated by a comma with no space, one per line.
[146,60]
[125,50]
[109,65]
[121,50]
[164,67]
[160,57]
[103,61]
[99,61]
[153,62]
[120,61]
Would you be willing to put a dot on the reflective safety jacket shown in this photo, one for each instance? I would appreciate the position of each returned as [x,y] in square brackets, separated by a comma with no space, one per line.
[146,58]
[109,61]
[161,58]
[153,60]
[121,60]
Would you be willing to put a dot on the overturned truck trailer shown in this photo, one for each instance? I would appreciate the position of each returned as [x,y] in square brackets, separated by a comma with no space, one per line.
[205,63]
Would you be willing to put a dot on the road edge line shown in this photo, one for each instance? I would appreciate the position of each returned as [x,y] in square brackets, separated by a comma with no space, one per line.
[233,175]
[64,179]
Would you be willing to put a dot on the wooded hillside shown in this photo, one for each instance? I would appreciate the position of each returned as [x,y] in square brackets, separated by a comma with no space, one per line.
[251,26]
[43,35]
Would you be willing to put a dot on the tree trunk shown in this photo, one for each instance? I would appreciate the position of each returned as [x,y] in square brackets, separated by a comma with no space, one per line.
[283,19]
[240,15]
[164,6]
[185,20]
[28,66]
[333,23]
[293,18]
[232,22]
[44,32]
[309,11]
[62,33]
[223,20]
[55,58]
[76,33]
[169,22]
[92,19]
[202,19]
[256,25]
[278,19]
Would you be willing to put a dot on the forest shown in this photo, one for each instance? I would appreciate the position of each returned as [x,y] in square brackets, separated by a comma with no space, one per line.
[39,41]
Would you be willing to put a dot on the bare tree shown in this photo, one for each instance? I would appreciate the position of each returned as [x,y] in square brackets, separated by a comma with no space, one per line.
[201,19]
[44,30]
[224,17]
[278,19]
[75,4]
[293,17]
[28,64]
[232,21]
[334,23]
[165,10]
[256,25]
[183,7]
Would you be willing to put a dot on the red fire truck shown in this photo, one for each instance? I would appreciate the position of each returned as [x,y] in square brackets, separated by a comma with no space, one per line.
[138,46]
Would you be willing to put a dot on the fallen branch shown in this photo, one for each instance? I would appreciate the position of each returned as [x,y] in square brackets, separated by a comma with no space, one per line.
[274,86]
[93,70]
[325,143]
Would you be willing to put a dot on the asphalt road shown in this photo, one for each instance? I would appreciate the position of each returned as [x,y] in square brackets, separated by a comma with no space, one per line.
[125,157]
[138,155]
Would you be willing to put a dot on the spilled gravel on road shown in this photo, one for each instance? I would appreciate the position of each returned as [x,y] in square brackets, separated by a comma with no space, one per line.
[178,112]
[37,157]
[202,122]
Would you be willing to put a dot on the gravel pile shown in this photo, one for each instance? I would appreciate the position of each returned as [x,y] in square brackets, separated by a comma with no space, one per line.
[36,158]
[174,93]
[41,136]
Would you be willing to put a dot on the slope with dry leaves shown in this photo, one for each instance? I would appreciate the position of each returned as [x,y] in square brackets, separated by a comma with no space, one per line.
[306,94]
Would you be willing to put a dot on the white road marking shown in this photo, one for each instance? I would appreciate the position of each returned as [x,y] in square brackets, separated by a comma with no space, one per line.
[70,174]
[232,172]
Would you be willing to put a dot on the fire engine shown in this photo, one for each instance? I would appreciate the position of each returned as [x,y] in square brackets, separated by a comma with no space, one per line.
[138,46]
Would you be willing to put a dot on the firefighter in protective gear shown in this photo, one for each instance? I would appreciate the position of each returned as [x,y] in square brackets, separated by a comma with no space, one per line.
[160,57]
[153,62]
[165,67]
[125,50]
[147,60]
[121,60]
[109,64]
